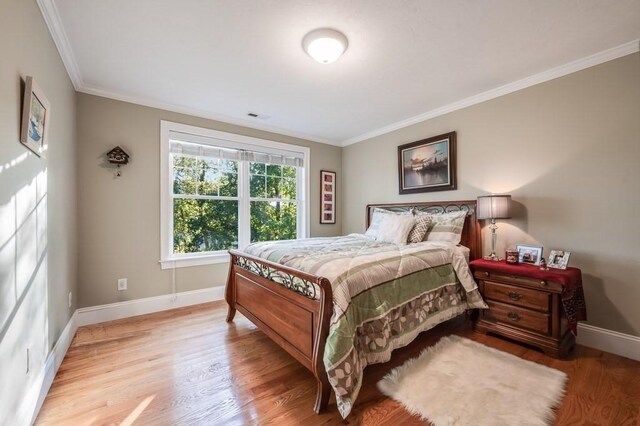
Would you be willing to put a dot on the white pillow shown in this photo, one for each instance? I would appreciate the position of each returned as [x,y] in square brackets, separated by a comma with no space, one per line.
[376,219]
[446,226]
[395,228]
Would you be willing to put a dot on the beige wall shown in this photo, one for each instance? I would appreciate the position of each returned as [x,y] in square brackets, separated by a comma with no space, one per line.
[120,218]
[37,210]
[567,150]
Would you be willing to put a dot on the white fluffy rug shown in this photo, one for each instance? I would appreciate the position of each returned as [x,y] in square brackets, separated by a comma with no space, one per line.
[461,382]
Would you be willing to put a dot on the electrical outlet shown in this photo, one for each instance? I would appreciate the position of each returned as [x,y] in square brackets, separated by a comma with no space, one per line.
[70,298]
[122,284]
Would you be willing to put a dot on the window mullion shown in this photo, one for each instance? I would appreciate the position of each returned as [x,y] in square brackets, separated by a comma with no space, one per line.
[244,206]
[274,200]
[300,219]
[169,206]
[205,197]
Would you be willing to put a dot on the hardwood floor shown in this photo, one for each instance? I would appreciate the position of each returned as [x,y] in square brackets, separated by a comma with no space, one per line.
[188,366]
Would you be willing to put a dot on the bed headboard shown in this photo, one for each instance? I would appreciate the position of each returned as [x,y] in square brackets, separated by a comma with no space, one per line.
[470,233]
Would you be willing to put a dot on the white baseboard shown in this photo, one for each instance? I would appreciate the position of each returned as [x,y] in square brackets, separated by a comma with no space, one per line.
[610,341]
[35,396]
[131,308]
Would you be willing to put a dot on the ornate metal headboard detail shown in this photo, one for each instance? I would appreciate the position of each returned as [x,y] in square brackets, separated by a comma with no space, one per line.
[470,233]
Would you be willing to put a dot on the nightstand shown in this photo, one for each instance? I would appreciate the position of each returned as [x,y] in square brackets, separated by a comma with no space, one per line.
[525,304]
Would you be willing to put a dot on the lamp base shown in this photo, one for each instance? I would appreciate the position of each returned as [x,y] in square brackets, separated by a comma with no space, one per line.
[494,258]
[493,255]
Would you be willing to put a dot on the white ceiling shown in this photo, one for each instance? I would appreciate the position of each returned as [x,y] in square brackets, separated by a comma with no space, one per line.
[407,60]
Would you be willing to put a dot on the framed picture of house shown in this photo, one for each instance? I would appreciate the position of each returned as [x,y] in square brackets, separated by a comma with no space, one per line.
[327,197]
[428,165]
[36,114]
[529,254]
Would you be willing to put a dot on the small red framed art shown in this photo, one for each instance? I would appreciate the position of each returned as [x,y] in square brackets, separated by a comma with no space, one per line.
[327,197]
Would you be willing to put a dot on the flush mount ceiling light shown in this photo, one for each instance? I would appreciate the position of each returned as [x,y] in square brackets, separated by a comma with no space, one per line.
[325,45]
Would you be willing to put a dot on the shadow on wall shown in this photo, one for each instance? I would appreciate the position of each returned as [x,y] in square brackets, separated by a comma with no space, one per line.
[23,284]
[595,292]
[519,215]
[547,219]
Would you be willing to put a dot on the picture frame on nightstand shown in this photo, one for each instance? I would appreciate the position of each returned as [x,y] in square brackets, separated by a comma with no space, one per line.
[558,259]
[529,254]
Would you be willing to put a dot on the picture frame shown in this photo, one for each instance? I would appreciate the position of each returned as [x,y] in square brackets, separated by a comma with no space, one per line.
[327,197]
[558,259]
[36,114]
[529,254]
[428,165]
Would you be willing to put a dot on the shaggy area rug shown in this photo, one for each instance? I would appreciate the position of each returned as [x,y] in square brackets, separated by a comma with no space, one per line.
[461,382]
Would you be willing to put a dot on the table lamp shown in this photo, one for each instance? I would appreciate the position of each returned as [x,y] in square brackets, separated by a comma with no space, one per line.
[494,207]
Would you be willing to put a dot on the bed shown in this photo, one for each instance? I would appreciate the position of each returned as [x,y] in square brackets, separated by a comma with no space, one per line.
[338,304]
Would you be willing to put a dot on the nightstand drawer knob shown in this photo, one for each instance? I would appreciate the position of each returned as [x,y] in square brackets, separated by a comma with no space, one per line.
[514,296]
[486,274]
[543,282]
[513,316]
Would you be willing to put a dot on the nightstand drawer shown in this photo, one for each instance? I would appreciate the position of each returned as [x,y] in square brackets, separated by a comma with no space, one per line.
[518,317]
[517,296]
[517,279]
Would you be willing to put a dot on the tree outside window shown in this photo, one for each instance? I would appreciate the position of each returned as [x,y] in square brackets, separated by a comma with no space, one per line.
[206,203]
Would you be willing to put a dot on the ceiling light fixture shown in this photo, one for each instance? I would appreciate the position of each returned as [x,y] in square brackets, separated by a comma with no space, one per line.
[325,45]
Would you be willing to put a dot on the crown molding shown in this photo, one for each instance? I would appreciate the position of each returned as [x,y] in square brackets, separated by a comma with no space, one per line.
[194,112]
[56,29]
[553,73]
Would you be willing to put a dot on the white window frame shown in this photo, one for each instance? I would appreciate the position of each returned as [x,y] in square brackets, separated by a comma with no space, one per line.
[168,259]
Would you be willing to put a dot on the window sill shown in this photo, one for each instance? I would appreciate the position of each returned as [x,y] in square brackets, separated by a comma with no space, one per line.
[198,260]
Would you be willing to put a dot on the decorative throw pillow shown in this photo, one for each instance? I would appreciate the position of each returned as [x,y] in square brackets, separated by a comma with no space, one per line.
[376,219]
[395,228]
[420,229]
[446,226]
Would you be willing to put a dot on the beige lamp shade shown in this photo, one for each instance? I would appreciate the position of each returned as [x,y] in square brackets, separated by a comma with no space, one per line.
[494,207]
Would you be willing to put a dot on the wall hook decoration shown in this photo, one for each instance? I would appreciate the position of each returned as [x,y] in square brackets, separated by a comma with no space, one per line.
[119,157]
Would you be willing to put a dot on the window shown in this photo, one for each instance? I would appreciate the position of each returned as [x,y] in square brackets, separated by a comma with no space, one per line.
[221,191]
[205,204]
[274,206]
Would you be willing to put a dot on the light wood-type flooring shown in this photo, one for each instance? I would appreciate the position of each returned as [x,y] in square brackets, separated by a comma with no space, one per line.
[189,367]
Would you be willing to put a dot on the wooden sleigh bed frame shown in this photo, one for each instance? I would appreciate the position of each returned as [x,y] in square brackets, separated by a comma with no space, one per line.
[294,308]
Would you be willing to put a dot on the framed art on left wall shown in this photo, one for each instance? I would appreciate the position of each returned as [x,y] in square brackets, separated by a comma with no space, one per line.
[327,197]
[36,114]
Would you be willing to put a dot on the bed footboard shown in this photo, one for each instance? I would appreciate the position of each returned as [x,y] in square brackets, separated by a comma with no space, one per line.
[292,307]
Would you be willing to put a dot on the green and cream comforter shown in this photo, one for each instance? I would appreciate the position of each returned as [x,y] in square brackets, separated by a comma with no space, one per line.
[384,295]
